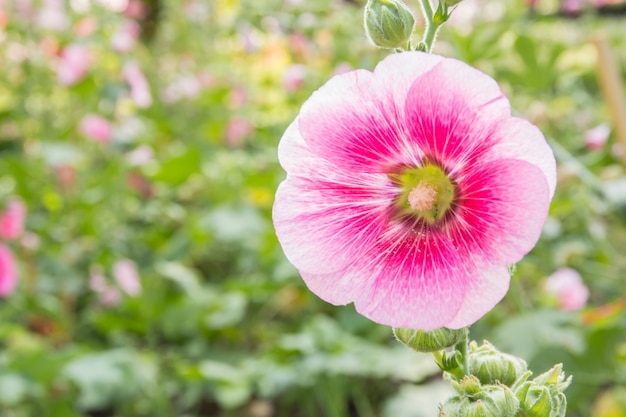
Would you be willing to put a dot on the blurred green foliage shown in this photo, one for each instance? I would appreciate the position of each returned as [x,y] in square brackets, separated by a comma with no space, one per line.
[223,325]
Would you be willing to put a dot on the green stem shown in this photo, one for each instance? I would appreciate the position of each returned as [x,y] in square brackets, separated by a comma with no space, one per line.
[428,10]
[430,35]
[433,22]
[462,347]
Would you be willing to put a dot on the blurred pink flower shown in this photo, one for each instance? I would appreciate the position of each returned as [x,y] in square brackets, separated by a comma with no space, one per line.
[73,64]
[293,77]
[24,9]
[52,16]
[568,287]
[572,7]
[596,138]
[109,297]
[185,87]
[8,272]
[238,97]
[237,130]
[140,156]
[66,175]
[49,47]
[126,275]
[96,128]
[139,88]
[12,220]
[136,9]
[125,37]
[409,191]
[342,68]
[97,282]
[85,27]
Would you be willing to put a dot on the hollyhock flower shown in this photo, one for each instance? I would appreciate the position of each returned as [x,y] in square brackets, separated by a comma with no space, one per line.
[96,128]
[8,272]
[12,220]
[410,190]
[73,64]
[126,275]
[569,289]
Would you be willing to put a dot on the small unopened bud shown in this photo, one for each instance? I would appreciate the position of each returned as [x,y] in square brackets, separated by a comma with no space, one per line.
[538,402]
[451,3]
[429,340]
[388,23]
[480,401]
[543,396]
[554,377]
[491,366]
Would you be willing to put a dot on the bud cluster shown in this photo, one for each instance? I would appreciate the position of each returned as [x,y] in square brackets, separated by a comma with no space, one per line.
[499,386]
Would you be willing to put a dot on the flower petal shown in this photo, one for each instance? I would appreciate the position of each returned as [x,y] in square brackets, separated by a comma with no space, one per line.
[451,111]
[483,292]
[501,210]
[323,225]
[519,139]
[355,119]
[419,282]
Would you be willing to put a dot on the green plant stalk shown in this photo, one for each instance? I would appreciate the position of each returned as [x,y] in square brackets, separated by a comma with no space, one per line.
[432,27]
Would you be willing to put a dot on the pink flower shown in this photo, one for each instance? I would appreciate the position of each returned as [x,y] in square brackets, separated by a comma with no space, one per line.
[126,275]
[53,16]
[8,272]
[12,220]
[139,88]
[96,128]
[73,65]
[596,138]
[410,189]
[569,288]
[293,77]
[237,130]
[125,38]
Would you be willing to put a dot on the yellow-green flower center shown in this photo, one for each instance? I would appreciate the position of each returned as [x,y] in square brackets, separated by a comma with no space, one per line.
[426,192]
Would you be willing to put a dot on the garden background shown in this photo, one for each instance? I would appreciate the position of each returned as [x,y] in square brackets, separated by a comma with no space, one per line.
[140,139]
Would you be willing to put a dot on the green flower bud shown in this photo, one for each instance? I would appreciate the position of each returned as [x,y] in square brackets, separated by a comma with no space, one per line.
[388,23]
[491,366]
[429,340]
[554,378]
[450,3]
[543,396]
[538,402]
[480,401]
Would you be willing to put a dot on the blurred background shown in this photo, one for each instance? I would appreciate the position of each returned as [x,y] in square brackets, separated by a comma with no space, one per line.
[139,271]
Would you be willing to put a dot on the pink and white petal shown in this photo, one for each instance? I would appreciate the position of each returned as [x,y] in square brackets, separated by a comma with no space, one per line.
[517,138]
[484,291]
[297,159]
[417,282]
[347,123]
[501,210]
[451,112]
[396,73]
[323,226]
